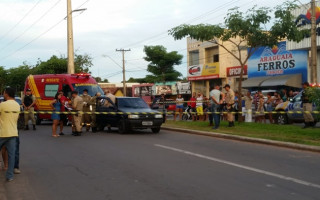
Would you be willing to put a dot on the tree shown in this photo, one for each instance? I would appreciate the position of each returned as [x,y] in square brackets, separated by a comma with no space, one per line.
[16,77]
[161,64]
[99,80]
[54,65]
[82,63]
[245,31]
[59,65]
[3,77]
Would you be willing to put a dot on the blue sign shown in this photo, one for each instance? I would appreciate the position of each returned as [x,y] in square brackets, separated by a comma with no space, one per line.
[275,61]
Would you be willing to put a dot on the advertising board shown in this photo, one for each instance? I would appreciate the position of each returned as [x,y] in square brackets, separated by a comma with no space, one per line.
[278,60]
[203,72]
[235,71]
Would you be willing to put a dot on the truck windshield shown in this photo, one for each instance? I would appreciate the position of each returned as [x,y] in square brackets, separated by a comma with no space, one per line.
[92,88]
[132,103]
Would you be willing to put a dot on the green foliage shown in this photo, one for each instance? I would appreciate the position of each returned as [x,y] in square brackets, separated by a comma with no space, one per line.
[3,77]
[248,26]
[59,65]
[99,80]
[16,77]
[161,64]
[314,95]
[82,63]
[54,65]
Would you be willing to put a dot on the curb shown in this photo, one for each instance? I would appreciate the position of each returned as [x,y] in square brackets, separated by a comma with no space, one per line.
[248,139]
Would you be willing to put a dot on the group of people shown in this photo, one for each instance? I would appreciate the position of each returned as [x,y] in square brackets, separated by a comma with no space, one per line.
[200,106]
[78,104]
[228,102]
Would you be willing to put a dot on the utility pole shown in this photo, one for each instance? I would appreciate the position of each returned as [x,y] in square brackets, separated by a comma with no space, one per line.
[313,43]
[124,70]
[70,39]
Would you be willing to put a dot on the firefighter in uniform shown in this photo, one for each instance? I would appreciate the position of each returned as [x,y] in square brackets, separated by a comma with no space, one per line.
[28,102]
[230,103]
[77,105]
[86,118]
[93,107]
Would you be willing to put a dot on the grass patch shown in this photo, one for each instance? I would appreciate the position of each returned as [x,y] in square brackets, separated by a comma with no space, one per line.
[286,133]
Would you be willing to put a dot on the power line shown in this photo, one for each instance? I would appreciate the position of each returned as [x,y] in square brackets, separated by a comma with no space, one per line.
[30,26]
[19,49]
[4,35]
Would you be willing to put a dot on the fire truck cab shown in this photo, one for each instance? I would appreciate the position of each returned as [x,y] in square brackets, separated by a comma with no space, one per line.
[44,88]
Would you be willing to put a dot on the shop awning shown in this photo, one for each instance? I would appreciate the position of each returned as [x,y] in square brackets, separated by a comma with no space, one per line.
[254,82]
[284,80]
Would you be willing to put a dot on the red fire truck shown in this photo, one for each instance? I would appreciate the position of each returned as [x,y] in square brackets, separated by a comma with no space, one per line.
[44,88]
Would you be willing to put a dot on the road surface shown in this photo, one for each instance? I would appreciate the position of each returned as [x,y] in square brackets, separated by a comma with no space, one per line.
[170,165]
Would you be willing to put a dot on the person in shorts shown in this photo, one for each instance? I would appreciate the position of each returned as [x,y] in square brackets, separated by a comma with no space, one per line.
[179,107]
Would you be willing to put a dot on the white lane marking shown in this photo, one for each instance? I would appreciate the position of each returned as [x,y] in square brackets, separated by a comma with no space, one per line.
[302,182]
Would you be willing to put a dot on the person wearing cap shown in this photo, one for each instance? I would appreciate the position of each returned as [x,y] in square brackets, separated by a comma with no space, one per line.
[77,105]
[86,118]
[230,102]
[28,102]
[307,106]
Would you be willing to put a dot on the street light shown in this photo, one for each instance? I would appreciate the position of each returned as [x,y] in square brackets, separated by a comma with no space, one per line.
[70,37]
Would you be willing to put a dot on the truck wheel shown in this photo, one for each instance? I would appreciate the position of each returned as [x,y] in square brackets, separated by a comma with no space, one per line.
[155,130]
[282,119]
[122,127]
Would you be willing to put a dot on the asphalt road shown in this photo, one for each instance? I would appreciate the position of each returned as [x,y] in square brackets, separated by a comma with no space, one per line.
[169,165]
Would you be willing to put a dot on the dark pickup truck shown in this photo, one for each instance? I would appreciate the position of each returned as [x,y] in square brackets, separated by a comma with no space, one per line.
[128,113]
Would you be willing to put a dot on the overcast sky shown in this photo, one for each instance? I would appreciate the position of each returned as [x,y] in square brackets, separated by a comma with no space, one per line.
[36,29]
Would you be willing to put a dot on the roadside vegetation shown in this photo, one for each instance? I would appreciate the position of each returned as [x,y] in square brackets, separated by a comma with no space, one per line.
[285,133]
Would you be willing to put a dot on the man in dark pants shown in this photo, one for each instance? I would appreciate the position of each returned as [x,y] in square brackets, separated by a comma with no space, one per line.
[28,102]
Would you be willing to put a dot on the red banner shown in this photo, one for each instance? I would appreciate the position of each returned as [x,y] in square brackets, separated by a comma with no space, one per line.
[235,71]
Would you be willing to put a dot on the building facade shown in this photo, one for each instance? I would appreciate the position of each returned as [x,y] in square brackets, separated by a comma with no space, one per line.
[209,64]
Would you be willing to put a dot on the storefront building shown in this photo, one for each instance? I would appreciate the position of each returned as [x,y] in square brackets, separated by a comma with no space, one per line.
[208,64]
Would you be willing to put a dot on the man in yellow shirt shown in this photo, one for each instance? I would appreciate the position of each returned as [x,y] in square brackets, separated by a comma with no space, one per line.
[9,114]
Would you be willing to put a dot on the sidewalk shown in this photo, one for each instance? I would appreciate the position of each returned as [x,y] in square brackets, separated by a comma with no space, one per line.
[291,145]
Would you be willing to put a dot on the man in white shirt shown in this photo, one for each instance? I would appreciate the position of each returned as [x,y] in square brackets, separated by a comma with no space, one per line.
[215,102]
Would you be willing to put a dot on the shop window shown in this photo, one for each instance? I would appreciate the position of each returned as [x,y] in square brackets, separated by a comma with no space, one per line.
[216,58]
[193,58]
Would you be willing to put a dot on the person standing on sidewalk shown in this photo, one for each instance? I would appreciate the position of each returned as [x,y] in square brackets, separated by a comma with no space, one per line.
[9,114]
[248,107]
[199,106]
[192,103]
[307,106]
[215,102]
[230,104]
[77,105]
[179,107]
[28,102]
